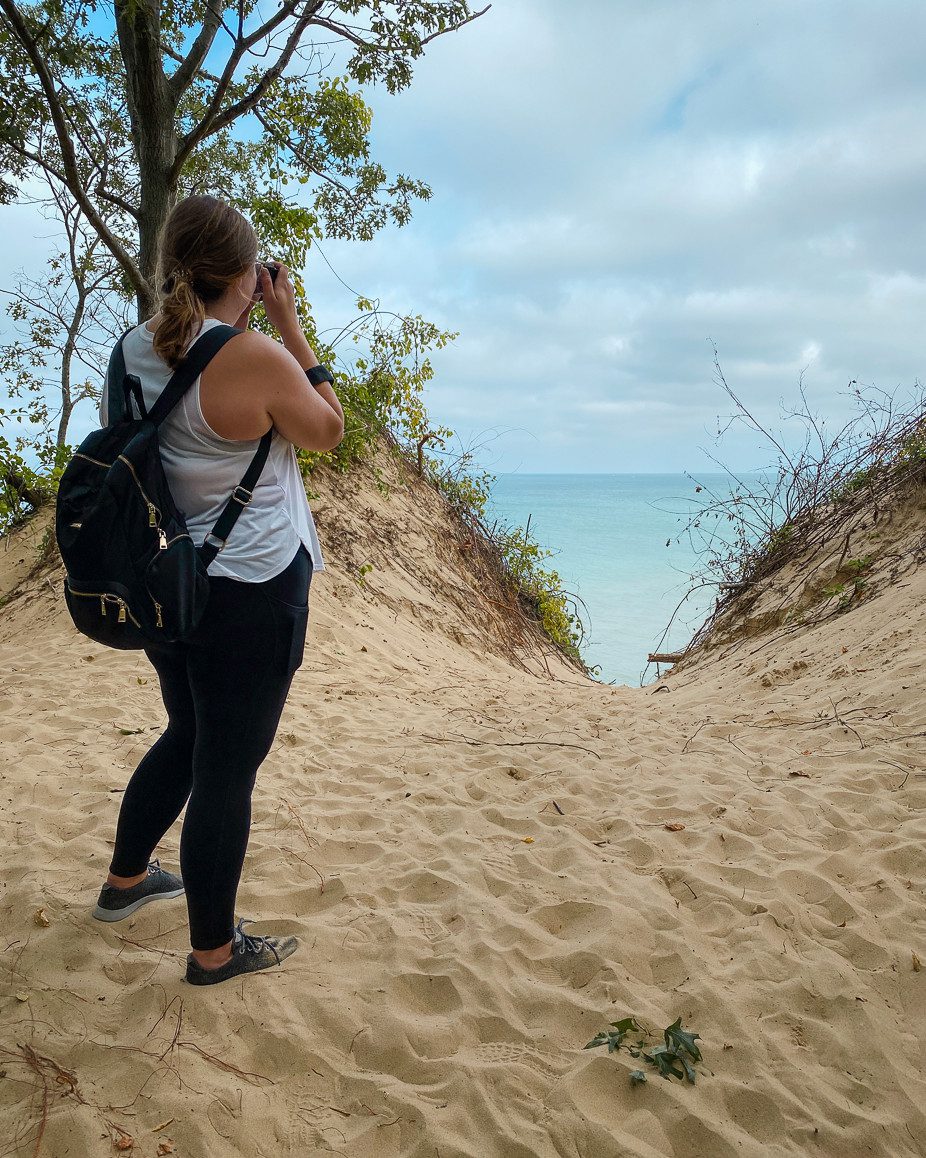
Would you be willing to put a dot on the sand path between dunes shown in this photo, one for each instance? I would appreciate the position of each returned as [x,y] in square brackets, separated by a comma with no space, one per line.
[478,863]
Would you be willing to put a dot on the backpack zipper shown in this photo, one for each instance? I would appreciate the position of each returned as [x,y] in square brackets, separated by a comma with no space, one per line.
[152,520]
[77,454]
[103,596]
[164,542]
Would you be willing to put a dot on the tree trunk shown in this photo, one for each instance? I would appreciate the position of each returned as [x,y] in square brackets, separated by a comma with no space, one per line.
[67,408]
[157,200]
[152,109]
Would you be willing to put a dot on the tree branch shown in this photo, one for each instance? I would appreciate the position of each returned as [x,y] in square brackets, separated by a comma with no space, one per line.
[51,169]
[11,477]
[213,121]
[453,28]
[284,139]
[180,81]
[71,175]
[343,30]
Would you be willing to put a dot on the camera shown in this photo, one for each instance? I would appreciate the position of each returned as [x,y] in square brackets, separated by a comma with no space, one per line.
[273,269]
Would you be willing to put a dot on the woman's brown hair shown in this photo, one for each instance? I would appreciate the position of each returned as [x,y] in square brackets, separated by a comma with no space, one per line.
[204,246]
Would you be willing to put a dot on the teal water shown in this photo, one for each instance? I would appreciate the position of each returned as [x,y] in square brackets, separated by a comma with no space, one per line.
[609,533]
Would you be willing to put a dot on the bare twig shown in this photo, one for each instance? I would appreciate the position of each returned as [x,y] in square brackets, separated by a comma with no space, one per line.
[505,743]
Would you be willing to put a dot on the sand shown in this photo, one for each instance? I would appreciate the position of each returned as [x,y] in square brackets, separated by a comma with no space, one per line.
[476,856]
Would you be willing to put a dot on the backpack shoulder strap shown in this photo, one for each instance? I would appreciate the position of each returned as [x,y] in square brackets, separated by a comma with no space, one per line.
[131,384]
[236,503]
[197,358]
[118,386]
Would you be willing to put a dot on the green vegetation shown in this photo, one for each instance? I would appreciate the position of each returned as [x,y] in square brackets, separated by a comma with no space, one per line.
[856,482]
[857,586]
[540,589]
[672,1059]
[779,538]
[912,449]
[23,488]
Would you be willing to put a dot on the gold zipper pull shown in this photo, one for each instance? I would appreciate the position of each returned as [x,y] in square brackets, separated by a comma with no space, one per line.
[152,521]
[102,606]
[121,612]
[163,539]
[158,609]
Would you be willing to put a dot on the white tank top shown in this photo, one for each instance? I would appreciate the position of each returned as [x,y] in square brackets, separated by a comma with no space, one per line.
[203,468]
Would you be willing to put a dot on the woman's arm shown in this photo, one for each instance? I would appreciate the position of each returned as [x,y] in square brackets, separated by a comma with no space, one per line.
[298,345]
[268,380]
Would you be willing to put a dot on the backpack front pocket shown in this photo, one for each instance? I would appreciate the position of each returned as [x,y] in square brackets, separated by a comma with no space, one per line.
[103,616]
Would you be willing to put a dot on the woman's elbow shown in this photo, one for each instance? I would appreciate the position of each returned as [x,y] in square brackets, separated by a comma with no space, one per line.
[337,434]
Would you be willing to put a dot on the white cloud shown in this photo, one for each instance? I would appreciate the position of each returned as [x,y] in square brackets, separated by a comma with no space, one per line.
[618,186]
[625,406]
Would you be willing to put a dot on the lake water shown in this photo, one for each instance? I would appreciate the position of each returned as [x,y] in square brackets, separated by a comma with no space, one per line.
[609,534]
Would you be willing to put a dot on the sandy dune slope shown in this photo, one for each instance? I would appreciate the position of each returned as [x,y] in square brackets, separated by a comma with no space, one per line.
[471,839]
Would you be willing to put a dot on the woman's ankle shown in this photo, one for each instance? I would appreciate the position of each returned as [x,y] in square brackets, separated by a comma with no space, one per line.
[118,882]
[212,958]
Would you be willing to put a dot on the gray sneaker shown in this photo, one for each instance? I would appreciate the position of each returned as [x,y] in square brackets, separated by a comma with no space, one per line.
[114,904]
[249,954]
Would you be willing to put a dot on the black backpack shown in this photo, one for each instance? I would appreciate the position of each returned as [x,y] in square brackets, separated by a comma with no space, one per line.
[134,574]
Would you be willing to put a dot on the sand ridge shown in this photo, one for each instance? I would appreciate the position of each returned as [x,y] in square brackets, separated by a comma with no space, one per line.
[476,859]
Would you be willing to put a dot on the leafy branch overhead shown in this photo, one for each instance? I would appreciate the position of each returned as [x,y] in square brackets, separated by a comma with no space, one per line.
[672,1059]
[114,110]
[74,97]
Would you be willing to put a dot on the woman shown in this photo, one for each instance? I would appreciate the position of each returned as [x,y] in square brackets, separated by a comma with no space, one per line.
[224,689]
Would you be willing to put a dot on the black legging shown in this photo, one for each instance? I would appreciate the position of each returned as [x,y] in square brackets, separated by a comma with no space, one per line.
[224,690]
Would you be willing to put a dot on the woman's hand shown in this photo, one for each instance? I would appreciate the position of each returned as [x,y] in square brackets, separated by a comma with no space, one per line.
[279,299]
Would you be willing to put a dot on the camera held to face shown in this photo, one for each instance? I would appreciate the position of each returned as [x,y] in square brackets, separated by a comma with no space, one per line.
[272,268]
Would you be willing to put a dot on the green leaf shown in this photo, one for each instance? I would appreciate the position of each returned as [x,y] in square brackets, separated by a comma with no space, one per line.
[609,1037]
[637,1077]
[667,1061]
[679,1038]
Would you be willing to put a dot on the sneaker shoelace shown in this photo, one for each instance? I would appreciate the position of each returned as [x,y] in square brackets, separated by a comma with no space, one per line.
[251,943]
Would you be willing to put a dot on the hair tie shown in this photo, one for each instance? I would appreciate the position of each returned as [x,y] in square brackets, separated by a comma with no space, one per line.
[178,274]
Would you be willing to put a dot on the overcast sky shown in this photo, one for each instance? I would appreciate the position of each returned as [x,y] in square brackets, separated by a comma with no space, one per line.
[616,183]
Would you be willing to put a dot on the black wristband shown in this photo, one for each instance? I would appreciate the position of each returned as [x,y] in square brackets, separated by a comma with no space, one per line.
[319,374]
